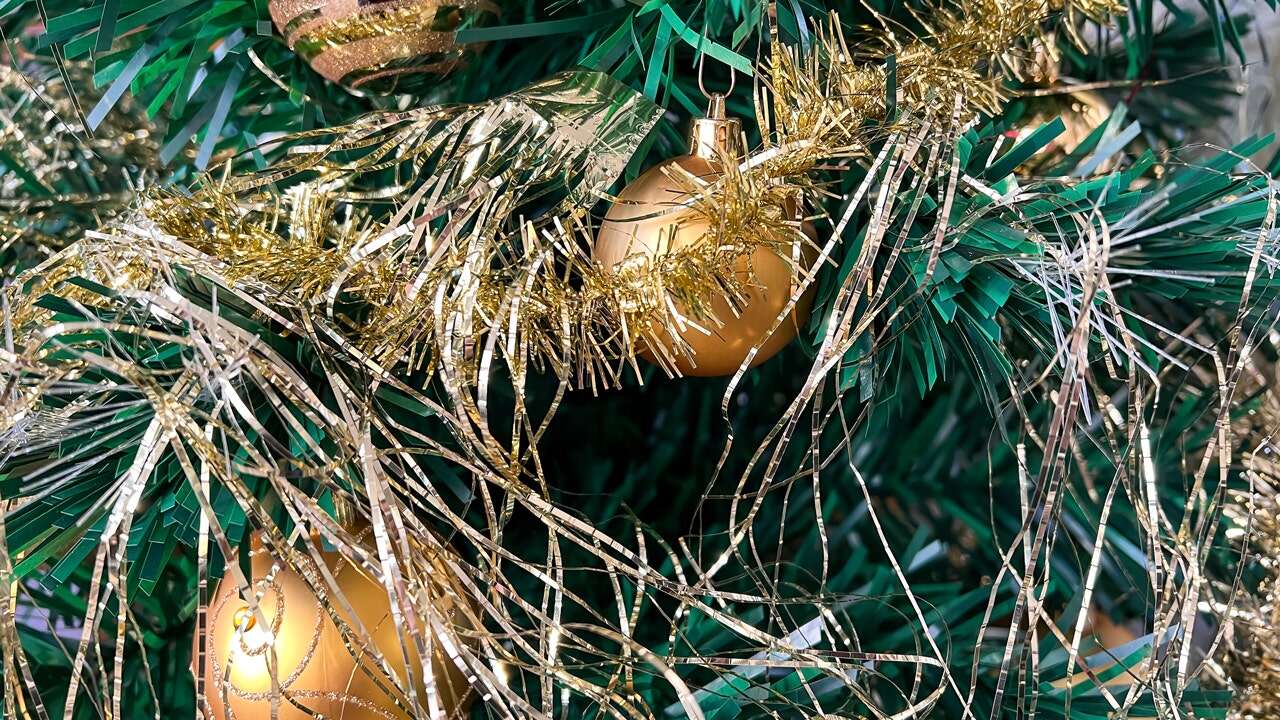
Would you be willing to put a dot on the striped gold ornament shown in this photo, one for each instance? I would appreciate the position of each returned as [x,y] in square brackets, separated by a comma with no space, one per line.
[371,45]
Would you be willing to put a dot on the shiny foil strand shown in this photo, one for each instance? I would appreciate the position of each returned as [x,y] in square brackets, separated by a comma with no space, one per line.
[81,180]
[453,287]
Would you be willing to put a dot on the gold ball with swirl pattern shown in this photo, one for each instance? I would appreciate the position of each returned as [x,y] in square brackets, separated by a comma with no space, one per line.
[297,657]
[376,45]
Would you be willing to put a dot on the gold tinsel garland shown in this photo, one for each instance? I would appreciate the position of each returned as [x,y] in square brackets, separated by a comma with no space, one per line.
[459,281]
[61,180]
[1252,653]
[582,317]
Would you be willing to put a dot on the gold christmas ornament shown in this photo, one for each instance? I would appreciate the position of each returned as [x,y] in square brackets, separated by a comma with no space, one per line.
[318,673]
[371,45]
[1082,112]
[653,218]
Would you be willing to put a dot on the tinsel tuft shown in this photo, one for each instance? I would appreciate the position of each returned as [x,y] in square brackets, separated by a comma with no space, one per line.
[1252,655]
[390,318]
[59,179]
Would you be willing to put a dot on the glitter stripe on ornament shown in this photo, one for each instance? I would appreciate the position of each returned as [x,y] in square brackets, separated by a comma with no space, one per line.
[371,45]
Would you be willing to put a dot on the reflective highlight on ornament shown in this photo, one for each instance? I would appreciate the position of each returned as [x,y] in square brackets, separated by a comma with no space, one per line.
[243,620]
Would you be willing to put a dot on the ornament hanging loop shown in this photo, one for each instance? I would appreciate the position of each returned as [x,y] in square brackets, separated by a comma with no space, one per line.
[733,80]
[717,136]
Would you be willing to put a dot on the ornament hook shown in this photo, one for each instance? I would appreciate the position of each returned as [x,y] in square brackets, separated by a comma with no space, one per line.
[717,136]
[733,80]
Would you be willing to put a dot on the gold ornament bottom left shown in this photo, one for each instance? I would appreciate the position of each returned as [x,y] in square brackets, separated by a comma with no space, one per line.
[317,673]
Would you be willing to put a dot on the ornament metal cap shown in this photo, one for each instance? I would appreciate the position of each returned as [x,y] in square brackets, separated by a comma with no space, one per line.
[716,135]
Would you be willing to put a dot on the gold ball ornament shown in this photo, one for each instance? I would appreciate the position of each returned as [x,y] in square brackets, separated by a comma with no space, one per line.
[647,222]
[1082,112]
[314,668]
[376,45]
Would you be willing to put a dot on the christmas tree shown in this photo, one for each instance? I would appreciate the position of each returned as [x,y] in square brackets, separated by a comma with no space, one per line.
[671,359]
